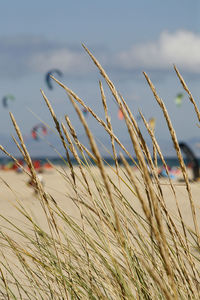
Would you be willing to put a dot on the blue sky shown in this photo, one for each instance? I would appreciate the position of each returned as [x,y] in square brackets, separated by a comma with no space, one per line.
[127,37]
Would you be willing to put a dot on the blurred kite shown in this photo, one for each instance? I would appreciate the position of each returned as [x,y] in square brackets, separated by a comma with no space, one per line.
[120,114]
[178,99]
[6,98]
[49,79]
[84,111]
[138,118]
[152,123]
[34,131]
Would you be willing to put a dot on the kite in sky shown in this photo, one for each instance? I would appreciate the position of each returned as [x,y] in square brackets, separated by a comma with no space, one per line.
[84,111]
[34,131]
[138,117]
[120,114]
[49,79]
[152,123]
[6,98]
[178,99]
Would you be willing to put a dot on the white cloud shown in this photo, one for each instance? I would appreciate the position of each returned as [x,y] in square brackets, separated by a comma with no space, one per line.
[67,60]
[22,55]
[181,48]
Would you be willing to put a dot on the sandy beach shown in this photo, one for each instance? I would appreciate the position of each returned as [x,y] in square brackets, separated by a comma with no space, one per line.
[14,188]
[15,192]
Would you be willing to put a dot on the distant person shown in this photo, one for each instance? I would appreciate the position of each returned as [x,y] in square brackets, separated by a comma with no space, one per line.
[193,161]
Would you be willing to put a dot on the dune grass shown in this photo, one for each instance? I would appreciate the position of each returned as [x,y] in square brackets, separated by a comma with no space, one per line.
[112,251]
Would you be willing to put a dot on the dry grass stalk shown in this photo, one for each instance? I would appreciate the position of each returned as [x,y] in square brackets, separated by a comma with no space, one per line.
[80,101]
[113,91]
[99,161]
[143,145]
[109,82]
[73,151]
[151,133]
[80,147]
[151,220]
[18,146]
[100,165]
[157,147]
[188,91]
[61,136]
[154,228]
[165,289]
[103,97]
[43,195]
[105,76]
[140,136]
[77,142]
[5,284]
[163,246]
[178,151]
[87,151]
[143,165]
[15,160]
[28,160]
[153,197]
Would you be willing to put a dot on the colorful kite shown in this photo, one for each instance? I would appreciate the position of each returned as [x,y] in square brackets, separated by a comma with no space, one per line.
[34,131]
[152,123]
[120,114]
[49,79]
[178,99]
[6,98]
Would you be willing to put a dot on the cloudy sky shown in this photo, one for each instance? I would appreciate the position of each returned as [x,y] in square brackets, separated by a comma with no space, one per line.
[127,37]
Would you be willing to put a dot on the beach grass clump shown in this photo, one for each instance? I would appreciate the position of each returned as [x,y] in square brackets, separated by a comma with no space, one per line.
[111,250]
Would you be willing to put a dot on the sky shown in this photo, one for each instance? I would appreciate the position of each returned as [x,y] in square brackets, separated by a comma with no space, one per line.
[127,37]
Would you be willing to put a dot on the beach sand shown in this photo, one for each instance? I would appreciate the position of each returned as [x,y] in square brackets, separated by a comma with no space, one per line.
[14,192]
[14,188]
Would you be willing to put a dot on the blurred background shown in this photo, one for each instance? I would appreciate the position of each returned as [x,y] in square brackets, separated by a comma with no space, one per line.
[127,37]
